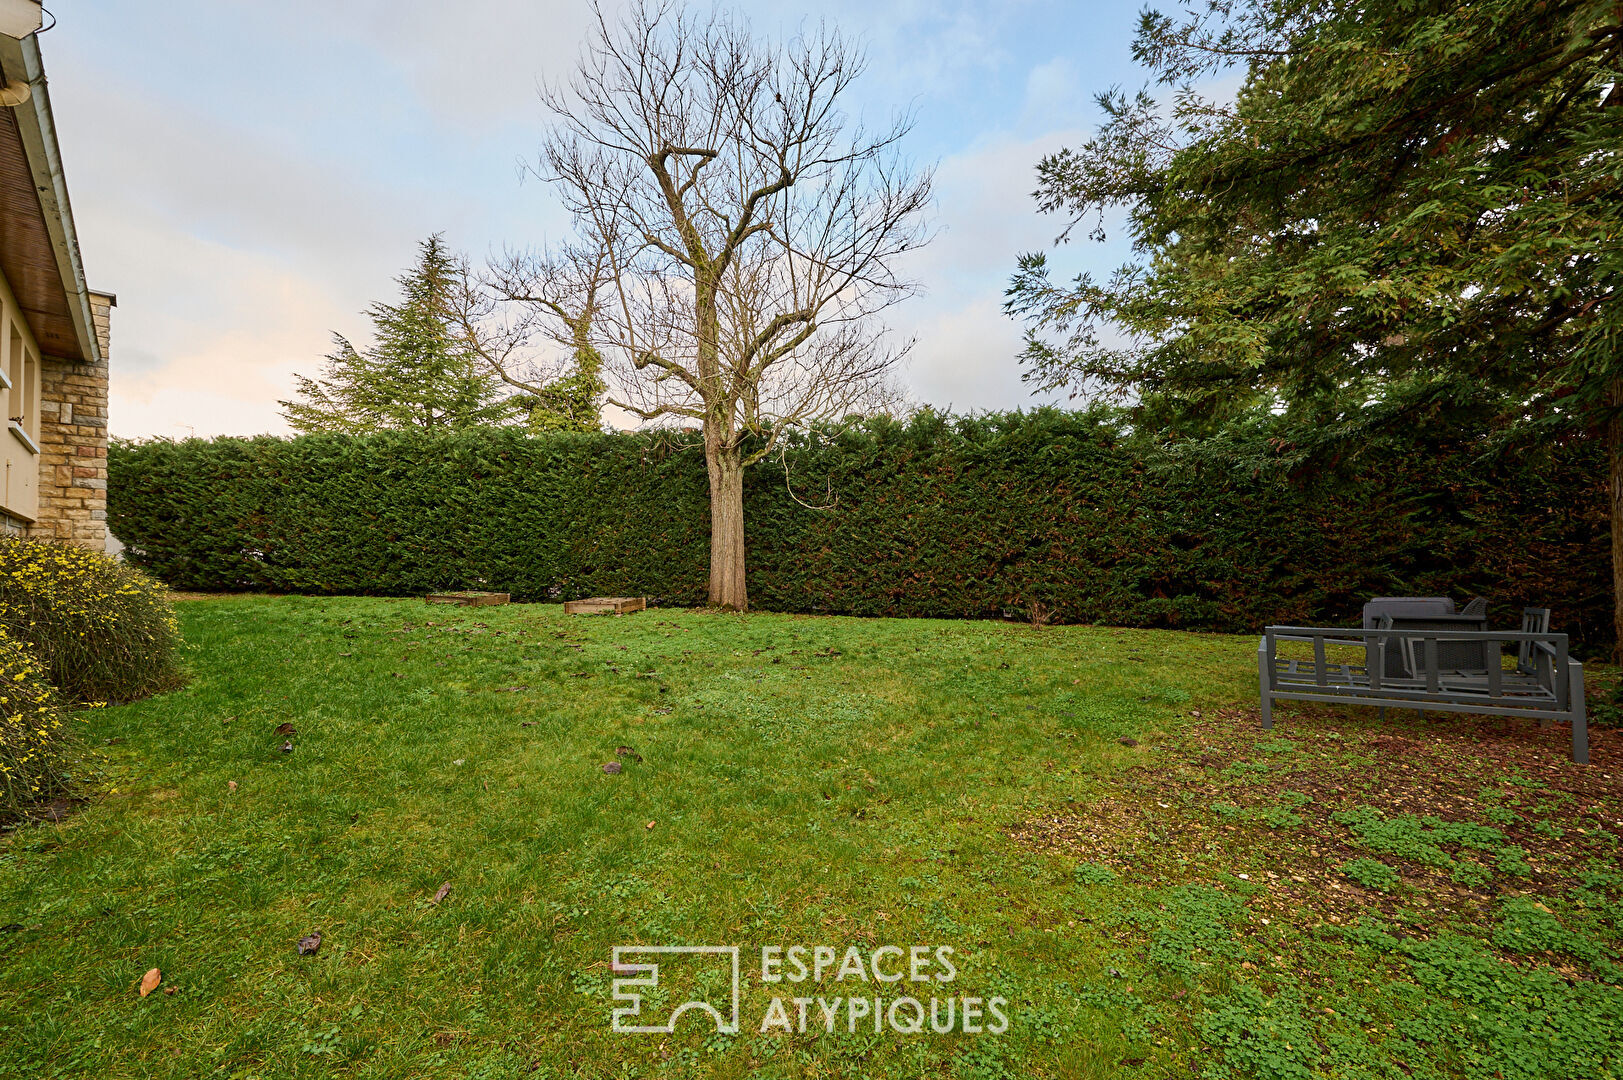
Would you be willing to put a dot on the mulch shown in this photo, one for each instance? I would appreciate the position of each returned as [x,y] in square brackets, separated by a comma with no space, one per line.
[1156,825]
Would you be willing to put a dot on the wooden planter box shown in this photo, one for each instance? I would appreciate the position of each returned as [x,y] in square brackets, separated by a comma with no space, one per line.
[469,599]
[606,605]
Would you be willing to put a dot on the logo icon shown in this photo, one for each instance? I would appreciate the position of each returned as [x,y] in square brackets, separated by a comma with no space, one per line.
[646,978]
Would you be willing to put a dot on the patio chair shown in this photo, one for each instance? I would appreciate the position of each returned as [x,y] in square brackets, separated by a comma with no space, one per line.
[1382,606]
[1477,606]
[1451,656]
[1535,620]
[1448,657]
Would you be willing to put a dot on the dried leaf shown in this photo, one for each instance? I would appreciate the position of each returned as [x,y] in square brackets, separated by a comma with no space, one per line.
[169,989]
[445,890]
[1127,740]
[150,981]
[231,785]
[650,825]
[309,943]
[626,751]
[287,747]
[611,767]
[286,729]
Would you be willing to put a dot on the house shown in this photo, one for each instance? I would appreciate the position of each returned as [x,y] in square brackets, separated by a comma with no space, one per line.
[53,328]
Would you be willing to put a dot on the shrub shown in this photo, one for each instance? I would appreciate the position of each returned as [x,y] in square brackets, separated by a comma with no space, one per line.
[33,732]
[938,517]
[100,630]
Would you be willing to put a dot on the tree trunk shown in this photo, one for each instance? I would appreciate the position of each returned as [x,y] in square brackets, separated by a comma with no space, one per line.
[726,468]
[1614,450]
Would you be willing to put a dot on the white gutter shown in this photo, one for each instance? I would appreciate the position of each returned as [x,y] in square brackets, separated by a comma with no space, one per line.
[38,129]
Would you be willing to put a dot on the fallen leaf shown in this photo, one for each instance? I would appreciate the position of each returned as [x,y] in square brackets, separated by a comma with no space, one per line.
[626,751]
[611,767]
[287,747]
[286,729]
[114,741]
[231,785]
[528,723]
[445,890]
[1127,740]
[169,989]
[650,825]
[309,943]
[150,981]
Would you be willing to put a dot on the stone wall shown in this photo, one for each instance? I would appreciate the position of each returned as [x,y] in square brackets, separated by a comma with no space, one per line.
[73,443]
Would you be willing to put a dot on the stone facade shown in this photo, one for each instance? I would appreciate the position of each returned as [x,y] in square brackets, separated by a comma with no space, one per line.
[73,443]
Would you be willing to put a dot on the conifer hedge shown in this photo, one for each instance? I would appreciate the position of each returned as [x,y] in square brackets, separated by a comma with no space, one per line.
[1066,513]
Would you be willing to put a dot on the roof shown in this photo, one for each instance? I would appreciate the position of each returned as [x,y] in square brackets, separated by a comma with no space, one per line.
[39,249]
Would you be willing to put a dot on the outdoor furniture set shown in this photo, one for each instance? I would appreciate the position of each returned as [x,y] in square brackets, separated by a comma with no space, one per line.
[1419,653]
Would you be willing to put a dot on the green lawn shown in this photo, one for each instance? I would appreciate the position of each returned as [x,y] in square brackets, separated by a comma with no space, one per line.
[1087,817]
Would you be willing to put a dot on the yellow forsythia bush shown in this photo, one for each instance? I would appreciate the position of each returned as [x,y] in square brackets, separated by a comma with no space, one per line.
[101,630]
[33,731]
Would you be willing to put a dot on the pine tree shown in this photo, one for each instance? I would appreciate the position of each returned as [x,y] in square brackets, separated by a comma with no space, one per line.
[416,374]
[1409,208]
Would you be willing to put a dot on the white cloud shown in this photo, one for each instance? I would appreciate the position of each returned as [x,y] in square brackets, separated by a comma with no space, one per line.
[205,341]
[249,176]
[966,348]
[472,63]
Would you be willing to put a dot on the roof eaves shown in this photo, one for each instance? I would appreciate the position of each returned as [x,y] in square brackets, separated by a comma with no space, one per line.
[37,127]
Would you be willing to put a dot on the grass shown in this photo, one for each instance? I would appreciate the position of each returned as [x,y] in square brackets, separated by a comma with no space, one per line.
[1087,817]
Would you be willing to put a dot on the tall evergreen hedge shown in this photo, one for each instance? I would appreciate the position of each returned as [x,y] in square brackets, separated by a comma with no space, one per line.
[961,518]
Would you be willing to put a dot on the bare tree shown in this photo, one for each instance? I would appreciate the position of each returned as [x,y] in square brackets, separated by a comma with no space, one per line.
[751,232]
[530,319]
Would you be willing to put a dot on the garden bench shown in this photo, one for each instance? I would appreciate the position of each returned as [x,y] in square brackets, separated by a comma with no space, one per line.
[1545,684]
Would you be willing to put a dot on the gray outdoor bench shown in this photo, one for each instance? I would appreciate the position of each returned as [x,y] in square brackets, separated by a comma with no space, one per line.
[1545,684]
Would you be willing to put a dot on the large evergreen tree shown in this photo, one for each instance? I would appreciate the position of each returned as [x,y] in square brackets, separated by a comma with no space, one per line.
[416,374]
[1407,201]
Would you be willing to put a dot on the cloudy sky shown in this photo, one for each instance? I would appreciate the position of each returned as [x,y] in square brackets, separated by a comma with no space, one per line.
[247,176]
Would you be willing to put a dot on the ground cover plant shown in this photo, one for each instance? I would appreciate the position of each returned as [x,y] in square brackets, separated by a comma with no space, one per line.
[1088,816]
